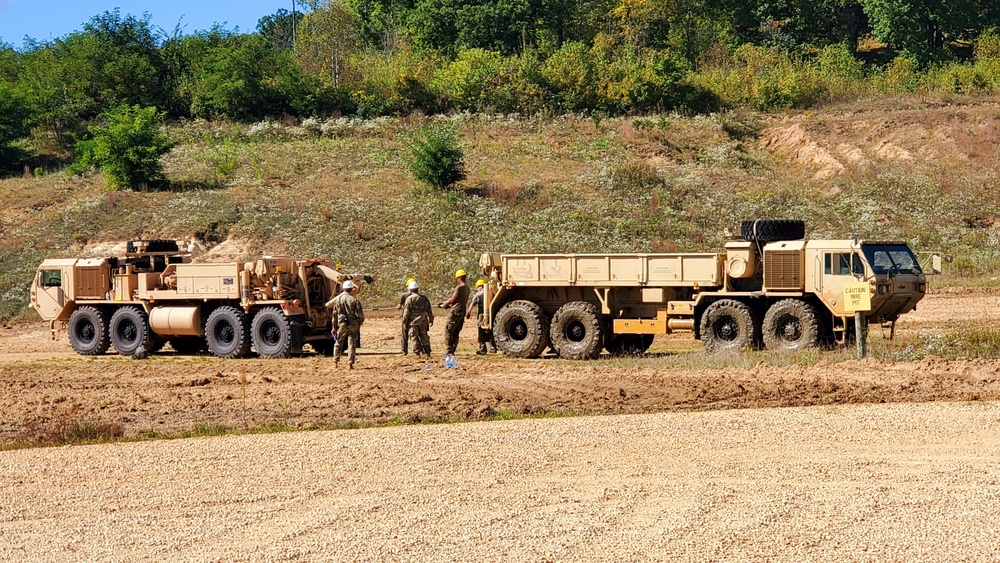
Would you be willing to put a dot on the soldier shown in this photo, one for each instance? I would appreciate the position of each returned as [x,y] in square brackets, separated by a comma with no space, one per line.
[458,301]
[418,317]
[349,317]
[478,304]
[399,307]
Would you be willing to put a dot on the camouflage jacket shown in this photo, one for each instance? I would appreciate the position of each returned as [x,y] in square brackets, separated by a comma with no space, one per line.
[417,310]
[347,309]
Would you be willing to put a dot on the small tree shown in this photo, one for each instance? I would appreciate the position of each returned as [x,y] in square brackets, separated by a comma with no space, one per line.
[438,161]
[14,118]
[128,147]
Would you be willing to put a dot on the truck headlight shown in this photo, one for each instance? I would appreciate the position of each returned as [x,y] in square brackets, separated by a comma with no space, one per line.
[883,288]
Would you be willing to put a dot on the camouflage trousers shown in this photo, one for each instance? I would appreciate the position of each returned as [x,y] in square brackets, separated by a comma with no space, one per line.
[452,330]
[347,335]
[406,341]
[420,338]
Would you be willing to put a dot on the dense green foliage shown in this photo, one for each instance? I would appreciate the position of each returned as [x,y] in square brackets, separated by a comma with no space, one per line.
[393,57]
[437,160]
[127,145]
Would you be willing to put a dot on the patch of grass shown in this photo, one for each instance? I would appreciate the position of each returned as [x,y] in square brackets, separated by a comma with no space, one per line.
[971,340]
[72,431]
[65,431]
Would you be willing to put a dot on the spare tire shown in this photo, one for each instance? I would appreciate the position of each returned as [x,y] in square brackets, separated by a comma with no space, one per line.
[521,329]
[767,230]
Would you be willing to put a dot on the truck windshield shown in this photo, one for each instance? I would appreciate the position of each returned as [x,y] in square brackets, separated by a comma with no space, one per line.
[891,258]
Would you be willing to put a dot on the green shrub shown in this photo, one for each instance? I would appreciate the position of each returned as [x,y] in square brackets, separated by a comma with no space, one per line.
[128,147]
[478,80]
[438,161]
[570,77]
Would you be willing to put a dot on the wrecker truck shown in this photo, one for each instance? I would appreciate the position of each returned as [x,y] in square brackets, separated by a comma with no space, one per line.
[155,295]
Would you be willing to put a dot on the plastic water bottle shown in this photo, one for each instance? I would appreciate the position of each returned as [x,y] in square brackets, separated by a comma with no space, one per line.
[450,362]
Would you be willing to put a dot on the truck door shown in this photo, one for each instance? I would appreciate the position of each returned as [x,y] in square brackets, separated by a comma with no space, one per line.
[50,298]
[839,267]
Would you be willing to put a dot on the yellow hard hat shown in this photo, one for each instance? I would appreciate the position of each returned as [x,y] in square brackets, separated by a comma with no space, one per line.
[459,273]
[480,283]
[409,281]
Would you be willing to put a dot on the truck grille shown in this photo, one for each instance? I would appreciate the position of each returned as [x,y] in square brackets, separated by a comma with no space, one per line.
[783,269]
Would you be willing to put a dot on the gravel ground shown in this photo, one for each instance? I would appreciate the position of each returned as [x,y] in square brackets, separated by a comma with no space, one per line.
[903,482]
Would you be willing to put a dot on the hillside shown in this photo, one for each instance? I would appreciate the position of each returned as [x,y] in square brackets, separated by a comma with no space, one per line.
[914,168]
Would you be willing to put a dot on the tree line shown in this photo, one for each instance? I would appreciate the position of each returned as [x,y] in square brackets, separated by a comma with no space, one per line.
[386,57]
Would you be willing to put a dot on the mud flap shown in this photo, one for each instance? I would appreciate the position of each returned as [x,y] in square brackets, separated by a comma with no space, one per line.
[297,337]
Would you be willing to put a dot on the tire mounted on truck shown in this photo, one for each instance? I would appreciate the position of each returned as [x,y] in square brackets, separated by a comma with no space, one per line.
[576,331]
[791,324]
[88,332]
[521,329]
[728,326]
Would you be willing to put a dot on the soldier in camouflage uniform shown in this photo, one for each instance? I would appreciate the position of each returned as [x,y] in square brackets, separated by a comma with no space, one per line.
[458,302]
[349,317]
[418,317]
[399,307]
[478,307]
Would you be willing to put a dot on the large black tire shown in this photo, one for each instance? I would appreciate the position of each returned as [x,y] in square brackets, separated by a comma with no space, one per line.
[227,333]
[729,326]
[271,333]
[628,344]
[766,230]
[130,333]
[188,345]
[88,332]
[791,324]
[576,331]
[153,245]
[521,329]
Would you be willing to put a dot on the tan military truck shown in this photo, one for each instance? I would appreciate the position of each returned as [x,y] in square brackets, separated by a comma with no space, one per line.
[154,295]
[770,288]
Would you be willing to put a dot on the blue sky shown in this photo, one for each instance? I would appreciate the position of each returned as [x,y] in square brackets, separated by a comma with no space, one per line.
[49,19]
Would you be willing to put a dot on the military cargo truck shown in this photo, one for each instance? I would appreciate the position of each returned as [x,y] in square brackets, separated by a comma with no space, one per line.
[771,289]
[154,295]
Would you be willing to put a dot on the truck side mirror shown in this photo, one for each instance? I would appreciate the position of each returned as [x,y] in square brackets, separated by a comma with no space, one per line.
[936,264]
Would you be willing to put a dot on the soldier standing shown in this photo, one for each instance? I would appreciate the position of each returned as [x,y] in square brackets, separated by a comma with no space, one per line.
[478,307]
[349,317]
[418,317]
[458,301]
[399,307]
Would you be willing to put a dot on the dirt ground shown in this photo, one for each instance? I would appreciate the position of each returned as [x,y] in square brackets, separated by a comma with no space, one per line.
[43,382]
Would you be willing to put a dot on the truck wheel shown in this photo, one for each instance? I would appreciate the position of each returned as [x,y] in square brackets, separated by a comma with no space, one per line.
[629,344]
[88,332]
[728,326]
[130,332]
[271,333]
[576,331]
[227,333]
[188,345]
[766,230]
[521,329]
[791,324]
